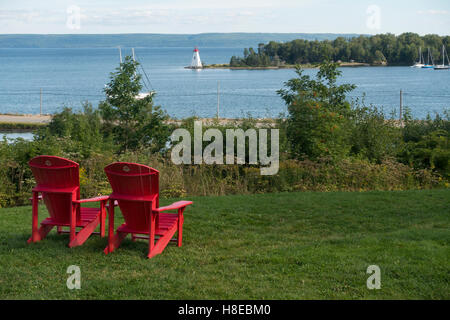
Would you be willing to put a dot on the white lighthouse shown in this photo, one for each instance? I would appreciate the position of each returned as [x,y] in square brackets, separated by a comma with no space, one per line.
[196,62]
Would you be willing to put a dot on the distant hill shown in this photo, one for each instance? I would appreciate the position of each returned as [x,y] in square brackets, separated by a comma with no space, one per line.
[239,40]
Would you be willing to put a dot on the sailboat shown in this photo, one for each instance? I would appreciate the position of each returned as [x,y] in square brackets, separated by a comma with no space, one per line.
[428,65]
[151,92]
[443,66]
[421,61]
[141,95]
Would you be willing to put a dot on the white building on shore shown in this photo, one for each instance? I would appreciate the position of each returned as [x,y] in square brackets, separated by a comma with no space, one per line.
[196,62]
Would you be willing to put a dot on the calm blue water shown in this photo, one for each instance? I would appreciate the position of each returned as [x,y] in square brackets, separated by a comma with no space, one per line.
[13,136]
[70,76]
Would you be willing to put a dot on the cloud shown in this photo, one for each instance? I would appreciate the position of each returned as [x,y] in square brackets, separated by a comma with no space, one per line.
[433,12]
[144,17]
[19,15]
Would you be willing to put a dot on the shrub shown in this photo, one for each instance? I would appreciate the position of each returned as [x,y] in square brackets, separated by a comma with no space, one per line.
[373,137]
[318,114]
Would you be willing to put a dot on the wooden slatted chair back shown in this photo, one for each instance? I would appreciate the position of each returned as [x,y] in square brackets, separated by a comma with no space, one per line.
[136,188]
[59,181]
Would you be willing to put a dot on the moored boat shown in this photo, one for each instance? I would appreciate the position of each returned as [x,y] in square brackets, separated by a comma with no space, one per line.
[443,66]
[420,63]
[428,65]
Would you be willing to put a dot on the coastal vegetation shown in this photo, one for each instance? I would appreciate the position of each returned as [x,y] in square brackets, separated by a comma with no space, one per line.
[378,49]
[327,143]
[20,126]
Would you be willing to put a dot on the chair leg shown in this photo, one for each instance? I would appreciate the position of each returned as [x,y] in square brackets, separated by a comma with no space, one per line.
[115,242]
[151,238]
[102,219]
[41,233]
[73,224]
[110,247]
[84,233]
[162,242]
[59,229]
[34,224]
[180,227]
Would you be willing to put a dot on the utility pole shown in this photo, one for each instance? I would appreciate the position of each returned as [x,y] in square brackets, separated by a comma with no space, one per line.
[401,108]
[218,98]
[40,110]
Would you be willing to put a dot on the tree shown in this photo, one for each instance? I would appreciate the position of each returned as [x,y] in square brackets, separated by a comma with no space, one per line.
[379,57]
[246,53]
[133,123]
[318,120]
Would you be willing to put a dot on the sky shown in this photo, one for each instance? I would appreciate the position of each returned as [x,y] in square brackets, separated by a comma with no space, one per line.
[204,16]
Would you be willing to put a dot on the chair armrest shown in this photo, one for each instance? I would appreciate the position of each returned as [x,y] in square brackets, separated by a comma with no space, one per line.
[95,199]
[174,206]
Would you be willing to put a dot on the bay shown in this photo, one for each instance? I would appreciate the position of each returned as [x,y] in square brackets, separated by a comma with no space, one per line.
[70,76]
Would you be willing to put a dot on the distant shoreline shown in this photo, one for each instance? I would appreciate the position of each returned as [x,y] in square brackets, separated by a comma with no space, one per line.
[289,66]
[155,40]
[17,123]
[20,123]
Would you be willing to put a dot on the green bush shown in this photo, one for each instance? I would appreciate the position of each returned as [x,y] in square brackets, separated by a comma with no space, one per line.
[373,137]
[318,121]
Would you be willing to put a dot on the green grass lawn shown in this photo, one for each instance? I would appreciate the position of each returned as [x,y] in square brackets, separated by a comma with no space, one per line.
[268,246]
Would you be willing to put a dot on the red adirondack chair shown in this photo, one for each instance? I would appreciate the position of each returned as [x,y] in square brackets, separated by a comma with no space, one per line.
[136,191]
[58,181]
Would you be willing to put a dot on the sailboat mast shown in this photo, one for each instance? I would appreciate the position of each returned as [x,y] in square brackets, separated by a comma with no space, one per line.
[448,60]
[134,59]
[120,54]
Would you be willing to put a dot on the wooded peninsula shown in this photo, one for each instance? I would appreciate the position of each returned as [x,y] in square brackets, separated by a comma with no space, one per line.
[381,49]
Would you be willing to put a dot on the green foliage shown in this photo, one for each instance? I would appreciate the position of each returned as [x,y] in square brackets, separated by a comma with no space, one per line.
[414,130]
[244,124]
[19,126]
[16,178]
[80,132]
[318,114]
[432,151]
[132,123]
[373,137]
[252,58]
[377,49]
[427,144]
